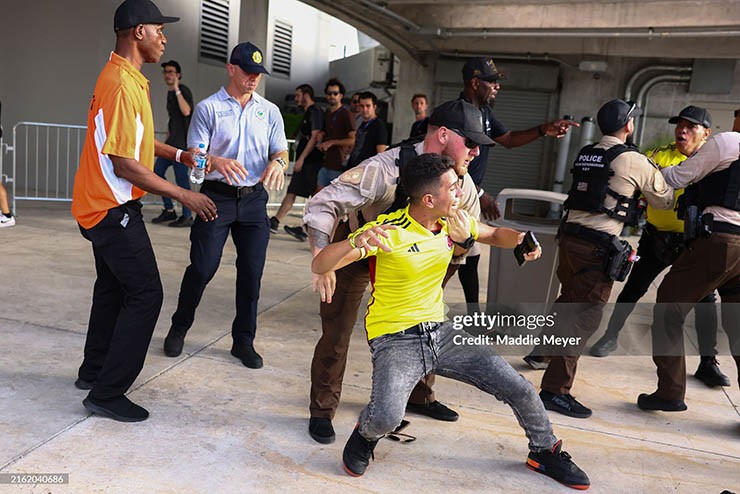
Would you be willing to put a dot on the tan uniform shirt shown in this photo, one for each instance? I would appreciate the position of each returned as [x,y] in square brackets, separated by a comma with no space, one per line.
[632,172]
[369,187]
[714,156]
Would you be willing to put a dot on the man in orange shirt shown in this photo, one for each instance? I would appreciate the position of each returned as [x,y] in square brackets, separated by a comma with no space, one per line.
[115,172]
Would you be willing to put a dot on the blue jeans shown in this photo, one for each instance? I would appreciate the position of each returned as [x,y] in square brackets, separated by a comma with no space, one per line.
[246,219]
[181,178]
[401,359]
[326,176]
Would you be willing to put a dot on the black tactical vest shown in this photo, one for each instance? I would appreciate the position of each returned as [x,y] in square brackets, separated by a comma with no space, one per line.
[717,189]
[591,173]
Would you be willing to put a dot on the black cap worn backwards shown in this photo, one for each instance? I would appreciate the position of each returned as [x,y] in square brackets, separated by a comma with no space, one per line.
[463,117]
[481,68]
[615,114]
[131,13]
[694,114]
[249,58]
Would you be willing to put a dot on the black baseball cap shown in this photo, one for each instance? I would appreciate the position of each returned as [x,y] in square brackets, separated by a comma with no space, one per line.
[131,13]
[174,64]
[463,117]
[694,114]
[249,58]
[615,114]
[481,68]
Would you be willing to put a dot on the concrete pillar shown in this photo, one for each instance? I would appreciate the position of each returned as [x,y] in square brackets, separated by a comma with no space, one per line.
[413,77]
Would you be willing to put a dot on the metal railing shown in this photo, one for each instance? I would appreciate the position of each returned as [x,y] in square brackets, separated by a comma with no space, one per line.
[45,158]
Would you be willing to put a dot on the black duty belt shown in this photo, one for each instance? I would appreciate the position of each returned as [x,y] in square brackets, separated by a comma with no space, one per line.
[587,234]
[230,190]
[422,328]
[723,227]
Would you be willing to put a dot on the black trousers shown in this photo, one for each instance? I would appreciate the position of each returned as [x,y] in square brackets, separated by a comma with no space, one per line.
[642,275]
[127,298]
[246,219]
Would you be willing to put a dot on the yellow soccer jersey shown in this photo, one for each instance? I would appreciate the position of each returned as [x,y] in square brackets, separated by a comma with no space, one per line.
[407,282]
[666,220]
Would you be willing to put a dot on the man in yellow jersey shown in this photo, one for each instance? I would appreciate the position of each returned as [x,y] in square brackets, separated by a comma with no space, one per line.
[661,244]
[409,250]
[115,171]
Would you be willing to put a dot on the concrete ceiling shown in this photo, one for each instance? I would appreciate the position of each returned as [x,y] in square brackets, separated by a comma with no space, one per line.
[645,28]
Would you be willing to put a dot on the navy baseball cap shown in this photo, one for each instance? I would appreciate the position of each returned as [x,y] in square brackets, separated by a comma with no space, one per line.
[615,114]
[481,68]
[249,58]
[131,13]
[694,114]
[463,117]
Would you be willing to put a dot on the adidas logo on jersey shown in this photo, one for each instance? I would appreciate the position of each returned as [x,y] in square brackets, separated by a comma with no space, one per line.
[414,248]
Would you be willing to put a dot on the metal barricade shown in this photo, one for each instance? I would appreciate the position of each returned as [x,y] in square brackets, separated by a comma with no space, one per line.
[45,157]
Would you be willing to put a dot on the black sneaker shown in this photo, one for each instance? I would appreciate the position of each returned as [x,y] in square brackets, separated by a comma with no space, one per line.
[121,409]
[296,232]
[84,385]
[274,224]
[606,345]
[435,410]
[249,357]
[182,222]
[321,430]
[709,373]
[165,215]
[357,453]
[558,465]
[536,363]
[565,404]
[173,343]
[652,402]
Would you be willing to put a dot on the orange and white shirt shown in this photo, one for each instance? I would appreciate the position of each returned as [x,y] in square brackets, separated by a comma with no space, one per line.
[119,123]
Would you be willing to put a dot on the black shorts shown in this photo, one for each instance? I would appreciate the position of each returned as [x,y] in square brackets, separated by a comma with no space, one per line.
[303,183]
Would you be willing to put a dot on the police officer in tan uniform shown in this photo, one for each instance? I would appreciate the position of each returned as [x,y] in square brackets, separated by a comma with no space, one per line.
[711,262]
[607,181]
[362,193]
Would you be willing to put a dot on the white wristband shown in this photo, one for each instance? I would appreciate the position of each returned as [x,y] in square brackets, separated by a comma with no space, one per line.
[178,92]
[480,193]
[177,155]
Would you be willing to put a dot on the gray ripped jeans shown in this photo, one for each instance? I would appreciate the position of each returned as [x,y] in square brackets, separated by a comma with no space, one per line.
[401,359]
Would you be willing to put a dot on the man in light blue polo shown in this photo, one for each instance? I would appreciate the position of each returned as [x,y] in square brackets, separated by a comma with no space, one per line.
[239,126]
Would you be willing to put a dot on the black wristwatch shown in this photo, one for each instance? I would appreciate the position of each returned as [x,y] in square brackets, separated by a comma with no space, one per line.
[467,244]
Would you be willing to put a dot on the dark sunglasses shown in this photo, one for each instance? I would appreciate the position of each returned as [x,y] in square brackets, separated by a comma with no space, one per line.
[400,437]
[737,113]
[333,93]
[469,143]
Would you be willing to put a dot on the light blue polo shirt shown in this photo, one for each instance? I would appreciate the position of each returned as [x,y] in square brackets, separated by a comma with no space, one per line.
[250,135]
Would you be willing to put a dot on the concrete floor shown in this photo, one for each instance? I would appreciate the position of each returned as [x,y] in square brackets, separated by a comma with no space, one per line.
[217,426]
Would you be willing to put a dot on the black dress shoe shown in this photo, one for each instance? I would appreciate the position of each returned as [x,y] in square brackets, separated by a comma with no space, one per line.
[606,345]
[173,343]
[249,357]
[435,410]
[652,402]
[84,385]
[709,373]
[321,430]
[121,409]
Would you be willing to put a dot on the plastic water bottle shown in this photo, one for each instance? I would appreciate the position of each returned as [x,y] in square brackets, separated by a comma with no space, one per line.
[198,173]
